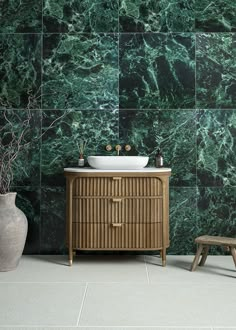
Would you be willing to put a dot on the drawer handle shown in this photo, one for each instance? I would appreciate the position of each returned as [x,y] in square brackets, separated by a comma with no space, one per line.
[117,224]
[116,178]
[116,200]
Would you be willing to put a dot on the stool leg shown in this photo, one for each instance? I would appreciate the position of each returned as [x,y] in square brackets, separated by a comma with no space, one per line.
[204,255]
[197,256]
[232,250]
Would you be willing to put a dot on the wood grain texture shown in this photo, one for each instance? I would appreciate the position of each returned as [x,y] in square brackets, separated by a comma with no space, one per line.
[216,240]
[118,211]
[120,236]
[116,186]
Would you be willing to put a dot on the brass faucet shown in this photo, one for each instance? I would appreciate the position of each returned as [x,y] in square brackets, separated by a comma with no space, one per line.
[108,147]
[127,147]
[118,149]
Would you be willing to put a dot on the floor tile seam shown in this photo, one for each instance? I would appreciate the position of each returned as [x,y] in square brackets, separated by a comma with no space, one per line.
[146,267]
[36,282]
[151,282]
[115,326]
[190,281]
[75,282]
[82,304]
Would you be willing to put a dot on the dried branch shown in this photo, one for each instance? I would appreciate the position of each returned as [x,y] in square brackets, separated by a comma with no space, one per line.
[14,142]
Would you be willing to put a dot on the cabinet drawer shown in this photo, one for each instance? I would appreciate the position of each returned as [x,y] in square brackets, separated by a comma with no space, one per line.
[117,186]
[125,236]
[117,209]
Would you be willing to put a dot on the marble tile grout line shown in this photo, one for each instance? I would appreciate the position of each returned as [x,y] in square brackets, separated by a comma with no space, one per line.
[136,32]
[123,109]
[118,73]
[82,304]
[196,112]
[196,126]
[41,139]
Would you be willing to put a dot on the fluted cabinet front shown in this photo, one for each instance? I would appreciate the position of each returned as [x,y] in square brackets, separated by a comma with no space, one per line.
[118,212]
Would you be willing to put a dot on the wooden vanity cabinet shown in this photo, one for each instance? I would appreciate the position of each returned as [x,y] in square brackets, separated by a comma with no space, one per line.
[118,210]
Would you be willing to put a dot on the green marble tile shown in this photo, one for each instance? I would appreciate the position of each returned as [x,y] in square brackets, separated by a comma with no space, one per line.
[215,16]
[20,16]
[60,143]
[80,71]
[20,71]
[53,220]
[216,212]
[183,220]
[216,140]
[156,15]
[216,70]
[80,15]
[28,200]
[172,130]
[26,167]
[157,71]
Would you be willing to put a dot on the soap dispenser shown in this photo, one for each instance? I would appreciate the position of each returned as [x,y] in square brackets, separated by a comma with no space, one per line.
[159,158]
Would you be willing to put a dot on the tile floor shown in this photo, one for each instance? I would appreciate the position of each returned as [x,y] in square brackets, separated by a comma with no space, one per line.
[118,292]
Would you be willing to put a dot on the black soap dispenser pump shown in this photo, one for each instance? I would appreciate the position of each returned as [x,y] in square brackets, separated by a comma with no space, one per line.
[159,158]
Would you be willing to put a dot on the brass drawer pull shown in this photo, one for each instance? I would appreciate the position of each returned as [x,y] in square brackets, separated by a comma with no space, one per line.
[116,200]
[117,224]
[116,178]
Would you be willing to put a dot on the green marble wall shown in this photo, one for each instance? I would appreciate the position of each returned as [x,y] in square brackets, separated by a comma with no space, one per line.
[151,73]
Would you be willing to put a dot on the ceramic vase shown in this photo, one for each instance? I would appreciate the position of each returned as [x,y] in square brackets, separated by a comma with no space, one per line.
[13,231]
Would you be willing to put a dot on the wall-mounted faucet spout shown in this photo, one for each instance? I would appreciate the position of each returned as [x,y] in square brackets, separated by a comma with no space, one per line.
[118,148]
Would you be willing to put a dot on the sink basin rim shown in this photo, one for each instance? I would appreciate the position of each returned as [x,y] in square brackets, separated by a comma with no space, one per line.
[118,162]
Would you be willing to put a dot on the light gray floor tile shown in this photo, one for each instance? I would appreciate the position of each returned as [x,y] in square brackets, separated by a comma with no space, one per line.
[143,328]
[43,328]
[84,269]
[228,328]
[216,268]
[163,304]
[40,304]
[106,328]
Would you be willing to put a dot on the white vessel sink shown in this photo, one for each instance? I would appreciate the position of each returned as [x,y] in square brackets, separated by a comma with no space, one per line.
[118,162]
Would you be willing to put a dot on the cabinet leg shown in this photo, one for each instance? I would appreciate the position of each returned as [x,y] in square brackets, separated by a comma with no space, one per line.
[70,257]
[163,256]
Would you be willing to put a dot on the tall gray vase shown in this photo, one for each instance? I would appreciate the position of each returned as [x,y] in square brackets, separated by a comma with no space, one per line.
[13,231]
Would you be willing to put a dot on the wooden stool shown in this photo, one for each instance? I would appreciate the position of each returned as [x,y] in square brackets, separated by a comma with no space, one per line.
[204,242]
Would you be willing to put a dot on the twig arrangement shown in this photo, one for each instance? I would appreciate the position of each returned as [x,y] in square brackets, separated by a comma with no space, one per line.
[82,145]
[11,145]
[14,142]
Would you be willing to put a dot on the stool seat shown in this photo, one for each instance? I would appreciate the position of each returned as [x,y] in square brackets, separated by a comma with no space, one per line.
[205,241]
[216,240]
